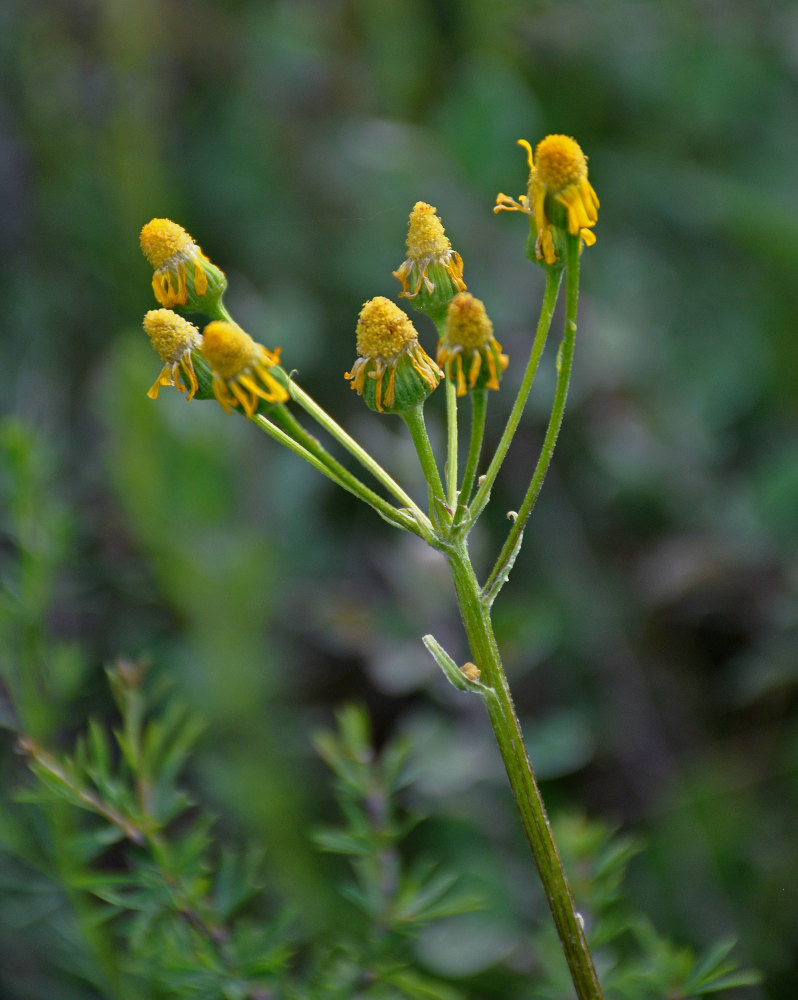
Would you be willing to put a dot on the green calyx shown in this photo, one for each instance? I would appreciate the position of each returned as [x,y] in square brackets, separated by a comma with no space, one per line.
[204,376]
[401,384]
[558,229]
[435,303]
[214,285]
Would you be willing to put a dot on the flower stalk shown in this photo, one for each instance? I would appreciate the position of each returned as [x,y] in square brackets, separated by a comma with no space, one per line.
[320,415]
[479,411]
[439,512]
[286,430]
[550,295]
[565,359]
[451,441]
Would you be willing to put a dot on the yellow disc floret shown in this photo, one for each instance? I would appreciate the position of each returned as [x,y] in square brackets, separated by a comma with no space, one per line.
[560,162]
[467,323]
[426,237]
[162,240]
[183,274]
[240,368]
[387,345]
[383,330]
[173,338]
[557,175]
[473,355]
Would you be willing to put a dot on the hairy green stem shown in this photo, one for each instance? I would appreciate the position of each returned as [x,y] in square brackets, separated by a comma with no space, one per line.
[451,439]
[414,418]
[479,410]
[341,476]
[565,359]
[311,407]
[550,293]
[510,739]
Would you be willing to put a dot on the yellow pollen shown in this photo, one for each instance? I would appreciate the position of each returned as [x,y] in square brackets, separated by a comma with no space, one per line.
[471,671]
[467,323]
[383,330]
[559,162]
[162,239]
[425,233]
[171,335]
[228,349]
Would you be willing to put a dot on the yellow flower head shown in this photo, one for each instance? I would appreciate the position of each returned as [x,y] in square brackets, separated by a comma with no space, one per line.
[387,345]
[183,274]
[432,272]
[173,338]
[557,177]
[474,355]
[240,368]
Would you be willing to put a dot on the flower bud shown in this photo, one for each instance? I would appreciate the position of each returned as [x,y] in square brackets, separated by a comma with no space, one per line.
[173,338]
[392,372]
[244,372]
[432,272]
[183,274]
[473,355]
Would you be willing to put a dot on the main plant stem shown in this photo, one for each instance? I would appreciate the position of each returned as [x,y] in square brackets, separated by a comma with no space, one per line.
[507,729]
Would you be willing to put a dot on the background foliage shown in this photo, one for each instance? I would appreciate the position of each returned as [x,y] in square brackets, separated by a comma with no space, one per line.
[651,626]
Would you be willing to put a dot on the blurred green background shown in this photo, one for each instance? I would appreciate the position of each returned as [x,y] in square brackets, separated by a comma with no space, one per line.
[650,624]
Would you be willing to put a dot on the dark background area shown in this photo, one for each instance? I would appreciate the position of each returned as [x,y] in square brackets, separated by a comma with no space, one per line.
[650,623]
